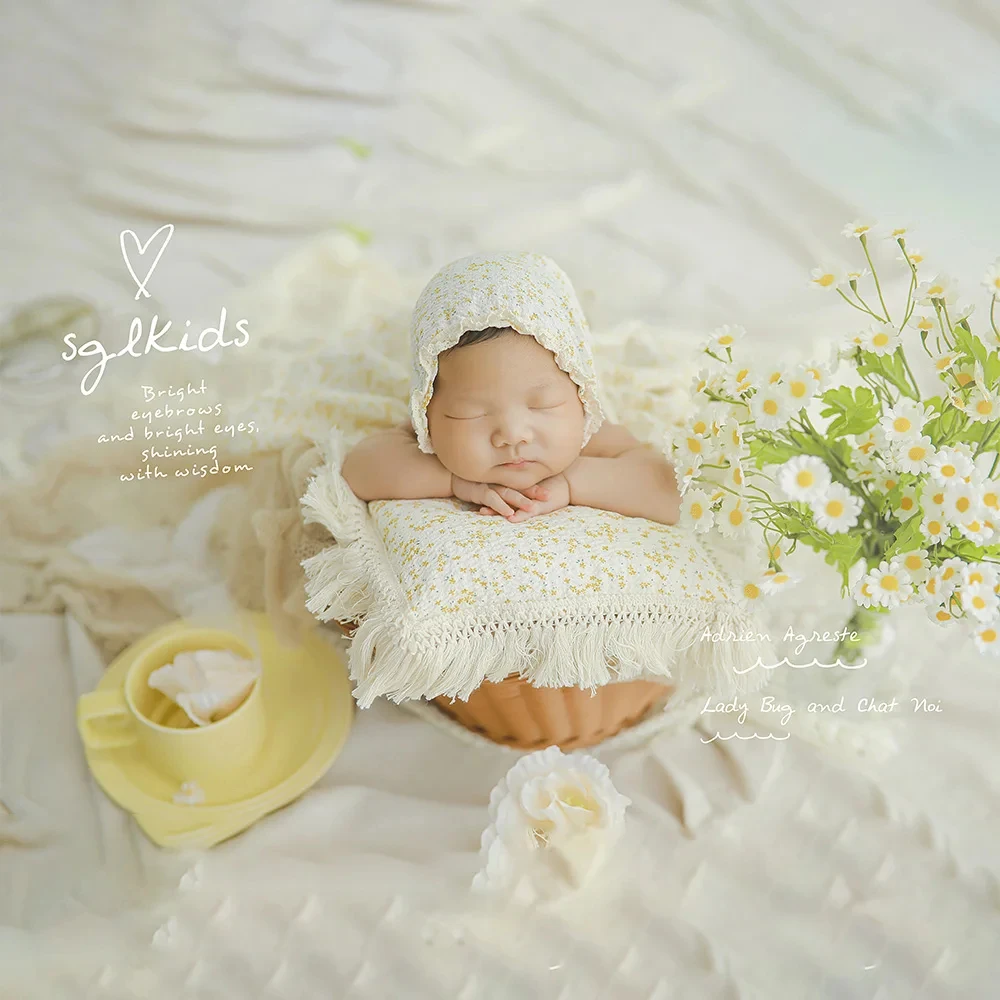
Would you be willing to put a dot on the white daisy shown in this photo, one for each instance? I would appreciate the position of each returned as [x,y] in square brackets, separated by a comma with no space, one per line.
[941,289]
[979,572]
[890,586]
[923,323]
[960,312]
[987,639]
[837,509]
[863,594]
[962,502]
[708,380]
[774,580]
[770,407]
[868,442]
[907,504]
[690,445]
[828,276]
[800,385]
[934,528]
[914,255]
[979,601]
[950,571]
[731,443]
[964,375]
[725,336]
[913,454]
[859,228]
[735,477]
[734,517]
[737,379]
[949,466]
[989,494]
[885,481]
[854,276]
[696,510]
[904,420]
[975,529]
[983,404]
[939,614]
[930,591]
[804,477]
[687,475]
[944,362]
[881,338]
[992,278]
[916,565]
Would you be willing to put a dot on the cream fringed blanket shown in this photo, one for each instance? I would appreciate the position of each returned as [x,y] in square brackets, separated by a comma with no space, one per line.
[328,349]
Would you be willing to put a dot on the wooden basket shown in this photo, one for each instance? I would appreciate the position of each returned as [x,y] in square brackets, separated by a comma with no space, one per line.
[516,713]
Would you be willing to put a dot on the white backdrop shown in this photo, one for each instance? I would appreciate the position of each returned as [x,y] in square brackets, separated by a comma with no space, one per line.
[687,163]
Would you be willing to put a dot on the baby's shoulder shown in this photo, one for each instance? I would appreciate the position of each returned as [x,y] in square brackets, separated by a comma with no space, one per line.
[610,440]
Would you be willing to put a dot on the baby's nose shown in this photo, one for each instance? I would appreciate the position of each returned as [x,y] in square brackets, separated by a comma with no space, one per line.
[511,431]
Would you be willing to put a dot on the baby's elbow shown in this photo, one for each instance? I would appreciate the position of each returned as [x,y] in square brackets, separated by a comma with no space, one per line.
[356,472]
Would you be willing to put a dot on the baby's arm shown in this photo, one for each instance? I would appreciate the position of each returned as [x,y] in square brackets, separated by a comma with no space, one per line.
[390,466]
[618,472]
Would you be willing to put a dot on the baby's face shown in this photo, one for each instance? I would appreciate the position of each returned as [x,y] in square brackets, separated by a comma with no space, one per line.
[502,400]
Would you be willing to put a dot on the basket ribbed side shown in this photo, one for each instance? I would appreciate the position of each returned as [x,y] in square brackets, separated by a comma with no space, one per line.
[516,713]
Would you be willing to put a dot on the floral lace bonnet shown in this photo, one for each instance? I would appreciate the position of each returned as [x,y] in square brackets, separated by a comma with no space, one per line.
[526,291]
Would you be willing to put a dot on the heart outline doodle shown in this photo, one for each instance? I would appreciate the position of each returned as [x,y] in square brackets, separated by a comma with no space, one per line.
[141,247]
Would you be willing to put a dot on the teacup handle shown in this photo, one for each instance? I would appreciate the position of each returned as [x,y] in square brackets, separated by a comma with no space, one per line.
[104,705]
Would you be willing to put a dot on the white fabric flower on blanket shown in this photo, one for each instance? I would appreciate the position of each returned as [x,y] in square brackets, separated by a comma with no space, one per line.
[555,818]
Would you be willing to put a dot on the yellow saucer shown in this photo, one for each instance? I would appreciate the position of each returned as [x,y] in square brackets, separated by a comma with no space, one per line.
[309,709]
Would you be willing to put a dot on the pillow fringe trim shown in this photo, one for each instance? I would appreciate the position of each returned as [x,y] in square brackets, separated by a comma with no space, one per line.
[346,583]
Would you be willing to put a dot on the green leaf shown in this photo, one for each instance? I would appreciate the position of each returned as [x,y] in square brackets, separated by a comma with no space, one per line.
[970,345]
[908,537]
[853,411]
[843,553]
[768,453]
[991,369]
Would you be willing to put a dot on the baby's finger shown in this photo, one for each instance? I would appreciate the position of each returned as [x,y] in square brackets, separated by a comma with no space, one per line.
[494,500]
[537,492]
[487,510]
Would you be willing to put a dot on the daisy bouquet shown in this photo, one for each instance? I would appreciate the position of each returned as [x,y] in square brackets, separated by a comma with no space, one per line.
[898,488]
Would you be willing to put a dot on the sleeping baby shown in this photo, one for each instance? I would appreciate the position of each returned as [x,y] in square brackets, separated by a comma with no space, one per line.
[505,410]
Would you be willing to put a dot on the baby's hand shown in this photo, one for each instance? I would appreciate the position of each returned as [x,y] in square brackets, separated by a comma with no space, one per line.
[547,496]
[492,499]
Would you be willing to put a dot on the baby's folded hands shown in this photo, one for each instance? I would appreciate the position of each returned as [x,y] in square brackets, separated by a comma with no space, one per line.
[516,505]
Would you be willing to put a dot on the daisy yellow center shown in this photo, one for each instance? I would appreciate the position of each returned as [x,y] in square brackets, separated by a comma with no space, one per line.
[938,498]
[779,578]
[974,526]
[934,527]
[963,379]
[902,424]
[742,374]
[943,616]
[797,389]
[988,635]
[770,407]
[835,508]
[738,476]
[736,437]
[736,517]
[804,478]
[990,499]
[700,427]
[814,372]
[936,291]
[694,445]
[697,510]
[906,503]
[880,339]
[752,591]
[866,590]
[985,407]
[701,385]
[867,447]
[978,603]
[889,582]
[948,573]
[726,340]
[975,577]
[773,377]
[962,504]
[942,364]
[890,484]
[826,281]
[932,585]
[949,471]
[913,562]
[917,453]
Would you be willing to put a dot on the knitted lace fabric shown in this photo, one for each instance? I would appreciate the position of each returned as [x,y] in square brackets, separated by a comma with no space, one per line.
[526,291]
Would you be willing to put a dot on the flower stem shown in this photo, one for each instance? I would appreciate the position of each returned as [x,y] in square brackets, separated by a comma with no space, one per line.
[878,287]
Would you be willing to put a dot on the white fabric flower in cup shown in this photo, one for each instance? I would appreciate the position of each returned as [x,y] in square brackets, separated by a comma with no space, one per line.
[555,818]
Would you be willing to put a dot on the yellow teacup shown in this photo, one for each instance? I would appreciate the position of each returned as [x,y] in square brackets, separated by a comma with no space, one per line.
[136,713]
